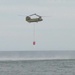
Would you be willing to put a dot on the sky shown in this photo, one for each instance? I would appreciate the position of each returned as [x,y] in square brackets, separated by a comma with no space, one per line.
[56,32]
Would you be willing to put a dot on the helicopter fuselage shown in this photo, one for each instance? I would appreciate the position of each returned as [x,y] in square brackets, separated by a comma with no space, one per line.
[30,20]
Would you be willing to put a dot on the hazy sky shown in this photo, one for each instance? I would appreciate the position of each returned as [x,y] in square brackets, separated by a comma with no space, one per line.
[53,33]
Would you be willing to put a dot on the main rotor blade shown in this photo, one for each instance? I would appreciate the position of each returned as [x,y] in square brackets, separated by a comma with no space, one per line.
[22,15]
[34,14]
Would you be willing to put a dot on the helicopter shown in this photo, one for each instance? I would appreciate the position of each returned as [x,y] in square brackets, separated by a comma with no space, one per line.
[30,20]
[37,19]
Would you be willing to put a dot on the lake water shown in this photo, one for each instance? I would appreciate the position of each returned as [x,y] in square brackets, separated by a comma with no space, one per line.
[37,63]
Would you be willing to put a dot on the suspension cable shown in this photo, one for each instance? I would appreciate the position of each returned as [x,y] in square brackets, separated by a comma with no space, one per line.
[34,34]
